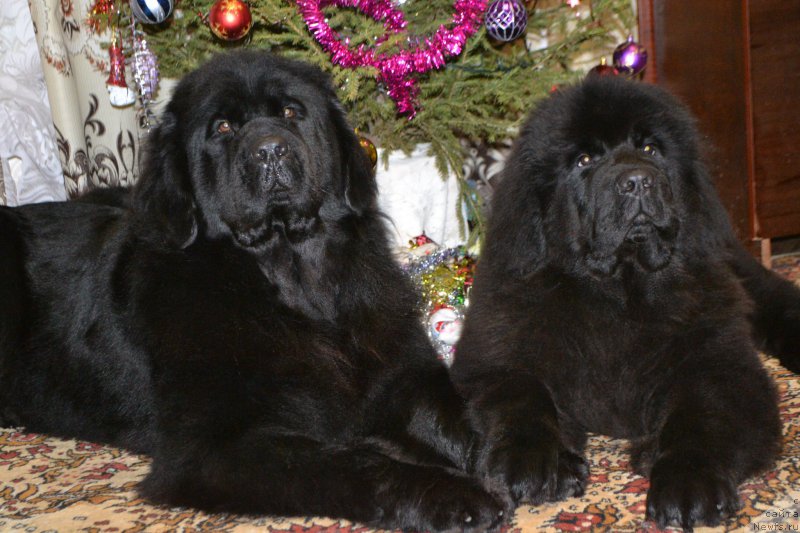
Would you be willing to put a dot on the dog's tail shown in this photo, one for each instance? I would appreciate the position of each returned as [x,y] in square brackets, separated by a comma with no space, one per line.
[776,312]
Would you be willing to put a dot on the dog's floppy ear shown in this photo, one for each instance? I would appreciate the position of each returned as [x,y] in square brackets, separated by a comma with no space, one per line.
[162,198]
[359,187]
[515,245]
[710,223]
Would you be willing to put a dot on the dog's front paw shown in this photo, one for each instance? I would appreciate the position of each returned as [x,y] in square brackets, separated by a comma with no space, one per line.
[687,491]
[444,503]
[462,506]
[535,470]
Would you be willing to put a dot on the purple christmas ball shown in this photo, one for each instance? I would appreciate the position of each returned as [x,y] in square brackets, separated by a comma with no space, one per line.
[506,19]
[630,57]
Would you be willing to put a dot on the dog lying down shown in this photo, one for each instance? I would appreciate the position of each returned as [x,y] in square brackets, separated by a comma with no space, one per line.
[242,321]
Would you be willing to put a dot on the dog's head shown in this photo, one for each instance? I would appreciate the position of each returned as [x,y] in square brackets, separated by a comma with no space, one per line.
[604,173]
[247,141]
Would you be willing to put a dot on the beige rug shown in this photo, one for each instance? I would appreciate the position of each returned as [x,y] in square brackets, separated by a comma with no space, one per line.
[53,485]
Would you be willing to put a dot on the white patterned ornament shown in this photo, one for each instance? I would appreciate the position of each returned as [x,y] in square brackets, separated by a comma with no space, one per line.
[505,20]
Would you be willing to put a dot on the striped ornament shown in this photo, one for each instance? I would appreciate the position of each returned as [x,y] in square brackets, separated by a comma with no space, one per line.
[151,11]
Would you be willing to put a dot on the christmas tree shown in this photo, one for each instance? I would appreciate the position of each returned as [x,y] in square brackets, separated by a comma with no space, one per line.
[478,91]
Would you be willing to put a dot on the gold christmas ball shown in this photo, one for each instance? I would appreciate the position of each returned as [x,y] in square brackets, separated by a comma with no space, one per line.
[370,149]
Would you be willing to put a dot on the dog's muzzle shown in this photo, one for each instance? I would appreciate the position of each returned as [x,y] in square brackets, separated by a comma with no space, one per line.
[634,218]
[644,194]
[270,148]
[636,182]
[271,157]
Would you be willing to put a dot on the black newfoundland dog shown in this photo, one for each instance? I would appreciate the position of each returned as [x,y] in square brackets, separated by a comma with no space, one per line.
[612,297]
[243,322]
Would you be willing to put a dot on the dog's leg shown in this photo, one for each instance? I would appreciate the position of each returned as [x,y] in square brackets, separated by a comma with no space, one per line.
[522,448]
[525,450]
[251,433]
[422,411]
[265,472]
[776,312]
[720,425]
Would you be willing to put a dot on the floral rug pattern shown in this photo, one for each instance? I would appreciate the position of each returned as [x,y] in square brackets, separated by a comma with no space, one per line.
[53,485]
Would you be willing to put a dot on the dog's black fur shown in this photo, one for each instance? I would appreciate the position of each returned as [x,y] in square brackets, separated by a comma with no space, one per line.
[243,321]
[612,297]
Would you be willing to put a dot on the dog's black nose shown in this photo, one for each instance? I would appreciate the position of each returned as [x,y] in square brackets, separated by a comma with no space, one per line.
[635,182]
[271,146]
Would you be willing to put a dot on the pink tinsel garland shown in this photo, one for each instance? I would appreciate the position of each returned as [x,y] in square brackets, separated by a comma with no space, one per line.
[395,70]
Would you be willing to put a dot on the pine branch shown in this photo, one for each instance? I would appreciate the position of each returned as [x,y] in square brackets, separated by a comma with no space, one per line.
[481,95]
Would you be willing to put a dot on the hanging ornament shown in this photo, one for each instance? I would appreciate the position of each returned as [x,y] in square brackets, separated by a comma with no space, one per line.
[118,92]
[145,74]
[369,149]
[230,20]
[630,57]
[145,68]
[603,69]
[506,20]
[99,16]
[101,8]
[151,11]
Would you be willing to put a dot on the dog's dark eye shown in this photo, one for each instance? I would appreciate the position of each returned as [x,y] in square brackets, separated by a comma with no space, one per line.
[583,160]
[289,112]
[224,127]
[649,149]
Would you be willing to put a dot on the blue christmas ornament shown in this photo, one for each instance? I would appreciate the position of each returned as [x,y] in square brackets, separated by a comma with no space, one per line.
[506,19]
[151,11]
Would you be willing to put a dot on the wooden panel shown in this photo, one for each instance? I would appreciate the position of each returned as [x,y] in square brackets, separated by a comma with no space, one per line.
[775,78]
[646,21]
[700,56]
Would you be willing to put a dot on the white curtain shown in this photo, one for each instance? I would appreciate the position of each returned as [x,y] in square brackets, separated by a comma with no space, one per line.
[29,167]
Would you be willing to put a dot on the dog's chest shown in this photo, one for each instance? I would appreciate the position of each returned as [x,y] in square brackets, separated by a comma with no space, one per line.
[610,401]
[603,375]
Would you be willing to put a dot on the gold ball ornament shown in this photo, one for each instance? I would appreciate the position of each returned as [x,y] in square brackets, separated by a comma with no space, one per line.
[369,148]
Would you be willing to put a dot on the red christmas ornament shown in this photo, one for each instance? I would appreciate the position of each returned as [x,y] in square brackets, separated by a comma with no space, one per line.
[119,93]
[603,69]
[420,240]
[230,19]
[100,15]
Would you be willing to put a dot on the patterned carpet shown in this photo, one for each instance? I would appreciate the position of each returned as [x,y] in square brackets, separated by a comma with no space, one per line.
[52,485]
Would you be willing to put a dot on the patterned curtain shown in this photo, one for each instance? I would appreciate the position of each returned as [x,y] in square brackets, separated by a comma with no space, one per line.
[98,144]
